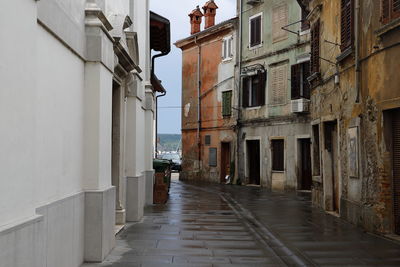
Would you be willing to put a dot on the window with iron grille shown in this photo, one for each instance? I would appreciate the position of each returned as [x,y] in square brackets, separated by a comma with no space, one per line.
[255,30]
[207,140]
[315,47]
[254,90]
[299,83]
[212,157]
[347,24]
[390,10]
[278,155]
[227,103]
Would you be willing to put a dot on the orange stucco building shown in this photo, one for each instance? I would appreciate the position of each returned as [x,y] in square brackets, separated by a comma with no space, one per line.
[208,97]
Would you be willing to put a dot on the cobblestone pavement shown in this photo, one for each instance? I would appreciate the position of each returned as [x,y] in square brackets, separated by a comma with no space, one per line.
[211,225]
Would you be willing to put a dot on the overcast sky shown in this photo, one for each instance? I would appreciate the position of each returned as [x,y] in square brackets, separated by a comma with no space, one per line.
[169,68]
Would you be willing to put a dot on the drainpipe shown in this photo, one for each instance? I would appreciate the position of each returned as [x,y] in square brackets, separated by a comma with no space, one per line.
[198,99]
[239,109]
[357,48]
[163,94]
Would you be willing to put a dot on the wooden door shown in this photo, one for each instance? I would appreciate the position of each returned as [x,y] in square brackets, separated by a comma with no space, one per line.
[253,159]
[305,164]
[396,169]
[225,160]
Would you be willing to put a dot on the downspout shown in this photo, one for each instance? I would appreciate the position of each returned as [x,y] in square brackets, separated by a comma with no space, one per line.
[357,48]
[163,94]
[198,99]
[239,109]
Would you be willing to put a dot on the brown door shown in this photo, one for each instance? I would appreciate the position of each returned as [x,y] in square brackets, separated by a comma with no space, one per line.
[225,160]
[253,159]
[305,164]
[396,169]
[331,163]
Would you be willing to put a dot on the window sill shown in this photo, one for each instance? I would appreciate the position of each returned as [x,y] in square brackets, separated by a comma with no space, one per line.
[227,59]
[278,171]
[227,116]
[256,46]
[305,32]
[252,108]
[345,54]
[388,27]
[314,77]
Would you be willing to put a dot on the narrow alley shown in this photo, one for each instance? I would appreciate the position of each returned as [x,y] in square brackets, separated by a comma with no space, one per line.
[244,226]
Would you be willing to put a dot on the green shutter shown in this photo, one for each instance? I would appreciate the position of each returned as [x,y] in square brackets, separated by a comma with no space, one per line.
[226,103]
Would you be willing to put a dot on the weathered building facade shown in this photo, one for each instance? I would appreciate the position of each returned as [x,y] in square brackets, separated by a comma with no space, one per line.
[274,129]
[77,136]
[208,97]
[355,110]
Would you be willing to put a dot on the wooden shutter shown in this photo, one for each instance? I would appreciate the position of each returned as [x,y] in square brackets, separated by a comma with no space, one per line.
[255,31]
[295,81]
[261,88]
[347,15]
[246,88]
[315,47]
[395,9]
[278,85]
[396,170]
[278,155]
[212,157]
[305,24]
[227,103]
[306,85]
[279,20]
[385,11]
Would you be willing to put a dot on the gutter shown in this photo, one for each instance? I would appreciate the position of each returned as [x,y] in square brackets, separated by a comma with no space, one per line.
[239,60]
[357,49]
[198,98]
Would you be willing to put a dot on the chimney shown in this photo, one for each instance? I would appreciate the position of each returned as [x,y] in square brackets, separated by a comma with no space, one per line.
[195,20]
[210,9]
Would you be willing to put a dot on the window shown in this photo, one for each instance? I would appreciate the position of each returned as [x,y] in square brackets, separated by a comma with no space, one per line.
[390,10]
[347,24]
[254,90]
[212,157]
[279,20]
[278,85]
[315,47]
[316,153]
[255,30]
[305,24]
[300,86]
[227,103]
[207,140]
[227,48]
[278,155]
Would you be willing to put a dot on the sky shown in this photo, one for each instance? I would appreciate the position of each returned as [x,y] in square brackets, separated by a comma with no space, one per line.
[169,68]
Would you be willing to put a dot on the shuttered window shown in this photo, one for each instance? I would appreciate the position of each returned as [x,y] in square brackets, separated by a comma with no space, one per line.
[278,85]
[278,155]
[255,31]
[347,23]
[207,140]
[279,20]
[390,10]
[254,90]
[227,103]
[299,83]
[315,42]
[227,48]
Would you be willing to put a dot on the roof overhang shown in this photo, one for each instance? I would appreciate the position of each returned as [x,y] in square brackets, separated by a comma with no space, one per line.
[160,33]
[157,86]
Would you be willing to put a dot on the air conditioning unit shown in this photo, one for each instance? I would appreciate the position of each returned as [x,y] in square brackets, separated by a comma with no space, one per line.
[254,2]
[301,105]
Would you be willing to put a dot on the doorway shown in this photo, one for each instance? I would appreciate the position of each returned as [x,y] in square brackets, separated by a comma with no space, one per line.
[304,163]
[253,161]
[116,150]
[225,161]
[331,174]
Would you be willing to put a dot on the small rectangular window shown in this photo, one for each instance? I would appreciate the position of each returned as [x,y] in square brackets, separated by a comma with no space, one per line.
[207,140]
[212,157]
[315,60]
[347,24]
[278,155]
[227,48]
[299,83]
[390,10]
[254,90]
[255,30]
[227,103]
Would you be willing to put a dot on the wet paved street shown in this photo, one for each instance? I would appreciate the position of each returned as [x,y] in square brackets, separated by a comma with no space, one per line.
[211,225]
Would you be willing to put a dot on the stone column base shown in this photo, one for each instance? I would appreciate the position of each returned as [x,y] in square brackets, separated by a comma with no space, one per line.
[135,198]
[120,217]
[149,177]
[99,224]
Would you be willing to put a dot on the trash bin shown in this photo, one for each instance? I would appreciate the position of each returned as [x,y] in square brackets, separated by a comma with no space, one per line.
[162,180]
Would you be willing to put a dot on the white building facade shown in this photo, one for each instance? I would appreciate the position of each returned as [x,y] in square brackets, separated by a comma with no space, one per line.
[77,115]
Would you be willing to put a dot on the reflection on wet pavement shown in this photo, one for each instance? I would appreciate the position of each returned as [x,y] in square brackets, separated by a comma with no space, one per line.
[216,225]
